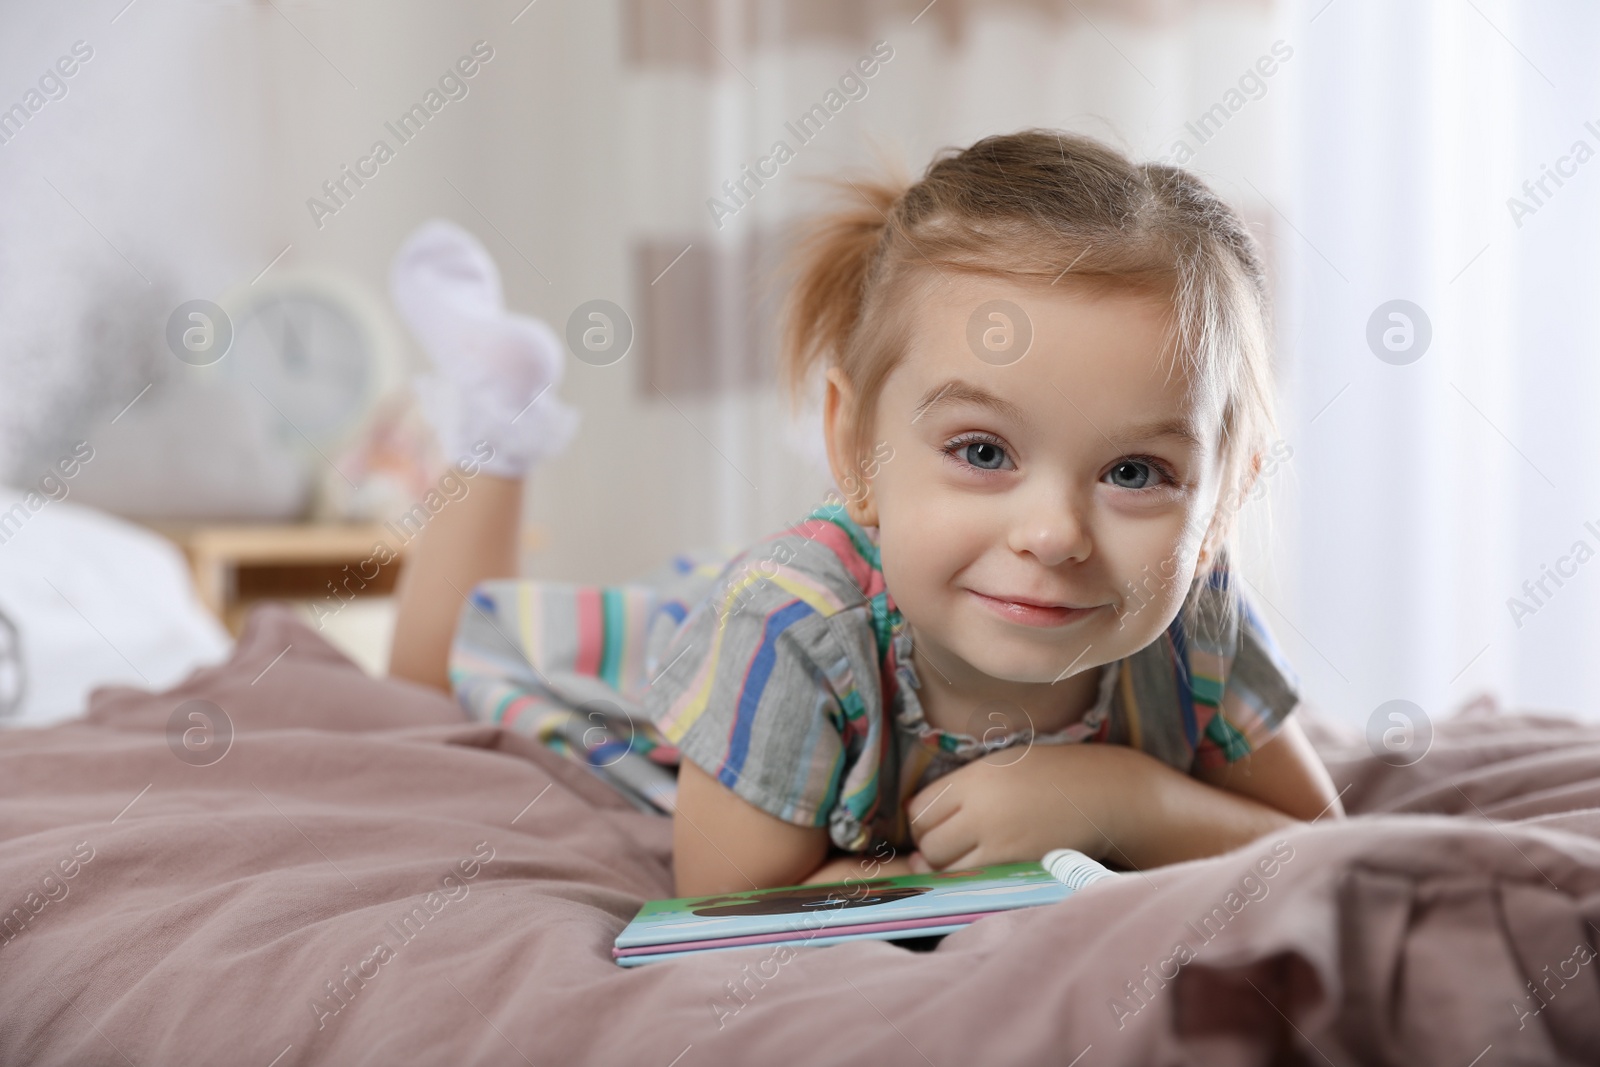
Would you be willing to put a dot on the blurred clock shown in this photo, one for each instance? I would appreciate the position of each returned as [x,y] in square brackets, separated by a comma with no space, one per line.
[315,348]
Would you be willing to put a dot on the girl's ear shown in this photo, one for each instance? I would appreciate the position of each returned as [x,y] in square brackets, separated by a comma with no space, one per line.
[1247,480]
[838,403]
[1229,503]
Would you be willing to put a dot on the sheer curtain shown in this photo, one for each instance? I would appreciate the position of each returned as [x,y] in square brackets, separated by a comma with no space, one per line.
[1444,510]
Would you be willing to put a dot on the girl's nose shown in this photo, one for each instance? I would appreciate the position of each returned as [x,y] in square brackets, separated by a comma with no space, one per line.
[1054,533]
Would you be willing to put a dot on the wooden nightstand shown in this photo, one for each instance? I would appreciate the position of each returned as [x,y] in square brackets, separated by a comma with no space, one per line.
[236,564]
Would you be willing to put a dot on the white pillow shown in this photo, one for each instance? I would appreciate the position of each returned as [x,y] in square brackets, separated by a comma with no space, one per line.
[97,600]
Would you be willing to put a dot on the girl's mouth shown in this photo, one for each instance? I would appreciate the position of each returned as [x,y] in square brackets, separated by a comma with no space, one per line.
[1033,613]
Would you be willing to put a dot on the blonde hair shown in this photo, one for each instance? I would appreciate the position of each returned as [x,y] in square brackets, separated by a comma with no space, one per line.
[1034,206]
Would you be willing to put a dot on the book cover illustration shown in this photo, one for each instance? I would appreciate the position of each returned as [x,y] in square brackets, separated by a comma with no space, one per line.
[815,909]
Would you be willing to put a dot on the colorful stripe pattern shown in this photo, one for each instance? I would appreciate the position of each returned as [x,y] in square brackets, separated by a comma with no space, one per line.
[773,709]
[785,673]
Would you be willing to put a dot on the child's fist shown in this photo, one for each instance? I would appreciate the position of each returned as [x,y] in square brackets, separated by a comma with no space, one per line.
[1000,809]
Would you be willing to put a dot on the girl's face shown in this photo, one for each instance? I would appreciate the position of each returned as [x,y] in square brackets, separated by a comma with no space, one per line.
[1044,516]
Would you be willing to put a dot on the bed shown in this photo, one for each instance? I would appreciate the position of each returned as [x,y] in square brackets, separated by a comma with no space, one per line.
[284,861]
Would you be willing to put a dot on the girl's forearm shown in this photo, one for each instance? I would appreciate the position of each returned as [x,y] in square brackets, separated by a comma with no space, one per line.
[468,540]
[858,868]
[1173,817]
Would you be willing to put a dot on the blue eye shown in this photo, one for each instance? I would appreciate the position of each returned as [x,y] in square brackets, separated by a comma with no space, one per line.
[985,455]
[979,451]
[1137,472]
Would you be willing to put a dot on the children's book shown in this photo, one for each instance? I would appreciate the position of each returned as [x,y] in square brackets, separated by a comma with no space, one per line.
[901,907]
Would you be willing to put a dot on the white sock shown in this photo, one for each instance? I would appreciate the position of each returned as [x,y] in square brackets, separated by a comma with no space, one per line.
[494,372]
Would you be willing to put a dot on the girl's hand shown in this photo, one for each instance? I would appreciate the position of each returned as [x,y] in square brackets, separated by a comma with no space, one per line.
[1001,809]
[1103,800]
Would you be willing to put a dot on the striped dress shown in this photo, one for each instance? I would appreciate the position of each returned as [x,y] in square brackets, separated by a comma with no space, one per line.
[785,673]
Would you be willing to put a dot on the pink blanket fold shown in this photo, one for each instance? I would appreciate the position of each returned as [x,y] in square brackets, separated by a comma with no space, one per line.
[358,876]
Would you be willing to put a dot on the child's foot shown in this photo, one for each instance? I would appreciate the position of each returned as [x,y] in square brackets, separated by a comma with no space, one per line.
[494,371]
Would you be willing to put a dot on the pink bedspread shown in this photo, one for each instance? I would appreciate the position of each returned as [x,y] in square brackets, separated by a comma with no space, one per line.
[363,877]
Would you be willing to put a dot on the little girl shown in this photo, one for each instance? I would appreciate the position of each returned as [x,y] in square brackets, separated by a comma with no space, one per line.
[1047,387]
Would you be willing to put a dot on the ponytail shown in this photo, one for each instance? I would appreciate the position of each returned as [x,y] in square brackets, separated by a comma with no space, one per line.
[832,263]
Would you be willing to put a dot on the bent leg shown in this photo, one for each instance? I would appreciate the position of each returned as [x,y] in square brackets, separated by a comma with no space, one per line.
[470,539]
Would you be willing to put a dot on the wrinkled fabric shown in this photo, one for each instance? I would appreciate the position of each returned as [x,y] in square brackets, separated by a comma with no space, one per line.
[363,877]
